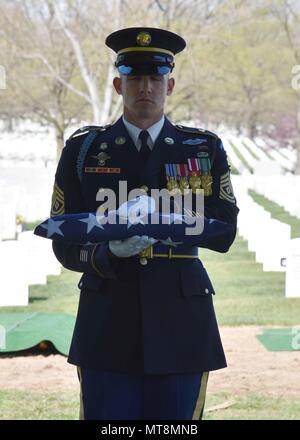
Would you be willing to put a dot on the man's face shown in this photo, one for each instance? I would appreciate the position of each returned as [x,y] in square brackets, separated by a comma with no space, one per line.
[144,96]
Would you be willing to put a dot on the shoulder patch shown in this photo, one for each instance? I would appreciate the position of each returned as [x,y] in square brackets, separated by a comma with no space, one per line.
[87,129]
[226,190]
[194,130]
[57,201]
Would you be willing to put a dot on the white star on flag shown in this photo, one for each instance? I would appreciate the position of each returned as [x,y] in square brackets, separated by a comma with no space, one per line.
[92,221]
[135,218]
[52,227]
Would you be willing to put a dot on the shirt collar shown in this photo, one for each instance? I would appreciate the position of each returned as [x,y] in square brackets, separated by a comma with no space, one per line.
[153,131]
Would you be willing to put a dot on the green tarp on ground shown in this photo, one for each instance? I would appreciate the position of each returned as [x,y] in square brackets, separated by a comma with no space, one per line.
[25,330]
[280,339]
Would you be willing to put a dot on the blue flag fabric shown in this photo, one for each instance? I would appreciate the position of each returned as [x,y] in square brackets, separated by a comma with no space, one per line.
[135,218]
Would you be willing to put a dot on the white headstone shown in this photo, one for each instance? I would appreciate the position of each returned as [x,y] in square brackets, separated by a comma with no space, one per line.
[267,168]
[278,238]
[14,284]
[35,258]
[292,279]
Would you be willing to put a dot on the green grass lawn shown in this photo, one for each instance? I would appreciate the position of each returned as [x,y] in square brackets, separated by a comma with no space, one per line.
[253,407]
[38,405]
[65,406]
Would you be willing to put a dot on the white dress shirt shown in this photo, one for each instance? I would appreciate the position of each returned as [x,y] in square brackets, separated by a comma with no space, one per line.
[153,131]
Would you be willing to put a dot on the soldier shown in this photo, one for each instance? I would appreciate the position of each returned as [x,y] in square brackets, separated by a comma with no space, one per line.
[146,334]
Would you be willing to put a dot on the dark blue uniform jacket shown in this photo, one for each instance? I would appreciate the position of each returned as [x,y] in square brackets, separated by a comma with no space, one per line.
[155,318]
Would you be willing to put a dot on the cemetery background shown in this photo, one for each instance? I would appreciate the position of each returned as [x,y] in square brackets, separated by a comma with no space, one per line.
[257,283]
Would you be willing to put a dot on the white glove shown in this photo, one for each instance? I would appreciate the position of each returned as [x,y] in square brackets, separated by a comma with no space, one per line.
[130,246]
[136,208]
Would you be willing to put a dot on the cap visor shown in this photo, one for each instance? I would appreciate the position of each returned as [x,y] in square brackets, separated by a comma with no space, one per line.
[146,69]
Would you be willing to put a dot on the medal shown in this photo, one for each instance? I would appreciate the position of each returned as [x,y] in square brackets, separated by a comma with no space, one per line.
[184,185]
[172,186]
[206,177]
[171,174]
[206,183]
[195,171]
[195,182]
[182,174]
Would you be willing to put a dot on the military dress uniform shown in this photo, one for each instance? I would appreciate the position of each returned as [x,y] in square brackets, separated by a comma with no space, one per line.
[146,335]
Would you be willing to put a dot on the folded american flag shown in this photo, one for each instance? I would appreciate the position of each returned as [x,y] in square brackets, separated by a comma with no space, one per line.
[136,217]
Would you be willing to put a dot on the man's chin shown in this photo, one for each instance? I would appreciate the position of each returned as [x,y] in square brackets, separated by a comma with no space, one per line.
[145,113]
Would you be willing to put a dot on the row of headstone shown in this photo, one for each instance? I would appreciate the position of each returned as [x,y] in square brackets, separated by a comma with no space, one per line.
[256,154]
[281,189]
[9,196]
[243,150]
[292,279]
[27,194]
[234,159]
[24,262]
[270,239]
[27,144]
[14,282]
[255,149]
[285,157]
[267,237]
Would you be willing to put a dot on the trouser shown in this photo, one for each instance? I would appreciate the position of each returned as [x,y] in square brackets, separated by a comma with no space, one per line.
[108,395]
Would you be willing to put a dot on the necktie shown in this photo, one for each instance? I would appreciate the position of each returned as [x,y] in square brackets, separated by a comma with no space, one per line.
[145,149]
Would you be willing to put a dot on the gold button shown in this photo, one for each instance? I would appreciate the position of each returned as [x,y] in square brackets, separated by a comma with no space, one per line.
[143,261]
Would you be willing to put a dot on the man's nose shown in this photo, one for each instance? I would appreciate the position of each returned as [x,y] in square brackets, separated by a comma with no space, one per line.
[146,84]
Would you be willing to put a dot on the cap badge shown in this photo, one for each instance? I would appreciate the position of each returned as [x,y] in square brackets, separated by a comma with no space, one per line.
[143,39]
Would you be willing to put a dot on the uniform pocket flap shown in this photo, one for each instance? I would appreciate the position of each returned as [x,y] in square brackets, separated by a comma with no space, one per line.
[90,282]
[195,280]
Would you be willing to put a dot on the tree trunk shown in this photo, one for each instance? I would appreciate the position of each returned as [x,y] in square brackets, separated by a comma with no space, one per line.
[252,125]
[8,124]
[107,100]
[59,136]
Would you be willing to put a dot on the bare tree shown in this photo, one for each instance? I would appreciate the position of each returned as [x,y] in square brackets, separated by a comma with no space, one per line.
[32,90]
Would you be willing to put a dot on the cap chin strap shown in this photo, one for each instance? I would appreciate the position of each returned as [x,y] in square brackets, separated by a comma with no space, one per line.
[145,49]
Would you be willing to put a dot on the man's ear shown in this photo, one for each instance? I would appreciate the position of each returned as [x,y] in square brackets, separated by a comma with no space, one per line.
[117,82]
[171,84]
